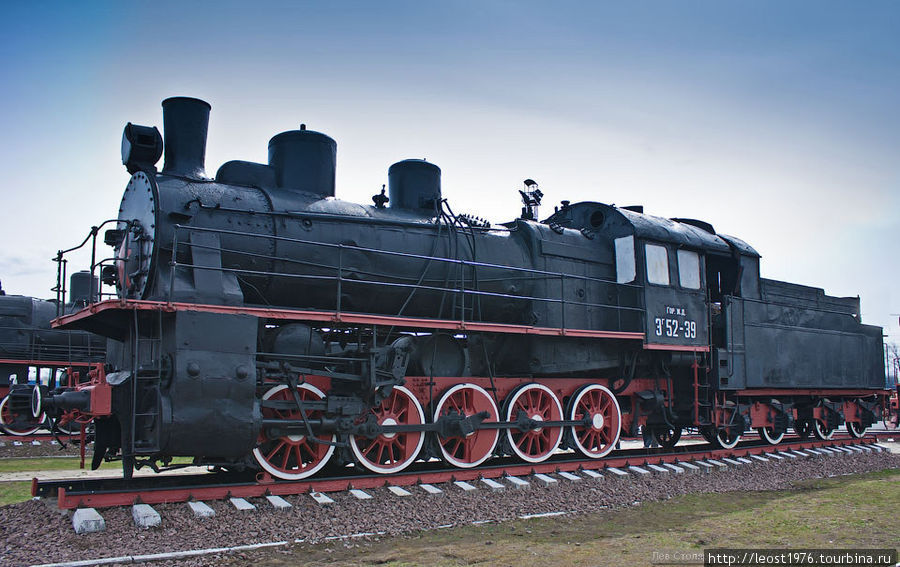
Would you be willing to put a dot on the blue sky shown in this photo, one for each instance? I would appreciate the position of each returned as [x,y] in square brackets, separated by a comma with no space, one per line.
[777,122]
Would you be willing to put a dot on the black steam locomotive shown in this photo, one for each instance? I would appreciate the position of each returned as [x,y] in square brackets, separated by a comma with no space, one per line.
[261,322]
[32,352]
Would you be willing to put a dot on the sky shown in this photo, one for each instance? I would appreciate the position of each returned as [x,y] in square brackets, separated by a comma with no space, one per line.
[777,122]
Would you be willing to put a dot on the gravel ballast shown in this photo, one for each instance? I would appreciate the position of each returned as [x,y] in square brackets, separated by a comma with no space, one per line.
[36,532]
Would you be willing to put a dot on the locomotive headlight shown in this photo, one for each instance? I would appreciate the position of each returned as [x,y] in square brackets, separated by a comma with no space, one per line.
[142,147]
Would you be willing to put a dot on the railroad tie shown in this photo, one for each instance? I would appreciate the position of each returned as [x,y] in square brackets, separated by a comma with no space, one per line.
[87,520]
[145,516]
[201,509]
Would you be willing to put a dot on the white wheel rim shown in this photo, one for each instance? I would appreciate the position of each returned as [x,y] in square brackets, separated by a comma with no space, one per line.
[855,430]
[764,433]
[495,413]
[509,417]
[722,436]
[18,432]
[820,431]
[616,426]
[260,458]
[382,469]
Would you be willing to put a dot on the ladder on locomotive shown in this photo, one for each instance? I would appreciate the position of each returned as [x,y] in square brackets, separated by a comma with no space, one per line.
[704,397]
[147,370]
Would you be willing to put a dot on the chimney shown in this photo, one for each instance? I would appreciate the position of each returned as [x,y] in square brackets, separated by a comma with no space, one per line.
[185,123]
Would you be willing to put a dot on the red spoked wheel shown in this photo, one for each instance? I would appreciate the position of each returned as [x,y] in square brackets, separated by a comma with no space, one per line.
[598,406]
[392,452]
[292,457]
[471,450]
[19,424]
[538,403]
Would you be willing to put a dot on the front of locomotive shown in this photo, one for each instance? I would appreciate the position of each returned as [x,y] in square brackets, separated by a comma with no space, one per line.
[143,229]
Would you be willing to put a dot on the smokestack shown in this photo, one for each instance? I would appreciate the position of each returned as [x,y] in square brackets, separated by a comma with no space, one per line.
[185,123]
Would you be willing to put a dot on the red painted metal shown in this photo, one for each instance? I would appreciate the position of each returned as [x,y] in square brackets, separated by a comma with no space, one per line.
[43,363]
[260,489]
[808,392]
[678,348]
[337,317]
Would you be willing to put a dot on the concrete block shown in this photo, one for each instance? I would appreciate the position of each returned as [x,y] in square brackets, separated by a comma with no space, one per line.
[278,502]
[431,489]
[718,463]
[706,466]
[673,468]
[465,486]
[399,491]
[201,510]
[36,443]
[87,520]
[657,468]
[360,494]
[617,472]
[145,516]
[758,458]
[493,484]
[689,467]
[732,462]
[591,473]
[569,476]
[638,470]
[744,460]
[320,498]
[242,504]
[545,480]
[517,482]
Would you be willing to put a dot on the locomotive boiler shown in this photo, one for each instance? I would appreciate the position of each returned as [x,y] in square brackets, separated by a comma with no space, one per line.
[262,322]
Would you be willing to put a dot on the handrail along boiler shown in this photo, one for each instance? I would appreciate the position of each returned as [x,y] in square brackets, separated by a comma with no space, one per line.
[260,322]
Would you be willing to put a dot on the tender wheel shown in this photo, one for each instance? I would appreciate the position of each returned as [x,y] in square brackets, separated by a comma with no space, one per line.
[821,430]
[392,452]
[708,433]
[770,435]
[726,440]
[597,406]
[465,400]
[855,429]
[667,437]
[292,457]
[18,424]
[536,402]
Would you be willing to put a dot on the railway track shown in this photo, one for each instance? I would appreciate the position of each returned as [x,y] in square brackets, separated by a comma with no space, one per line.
[100,493]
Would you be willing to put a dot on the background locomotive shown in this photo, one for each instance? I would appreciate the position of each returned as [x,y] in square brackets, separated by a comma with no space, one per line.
[261,322]
[30,351]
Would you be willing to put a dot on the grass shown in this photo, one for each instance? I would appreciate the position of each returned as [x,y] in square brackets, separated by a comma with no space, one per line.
[12,492]
[849,512]
[63,463]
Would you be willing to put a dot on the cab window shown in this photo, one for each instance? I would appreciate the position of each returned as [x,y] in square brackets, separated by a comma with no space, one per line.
[625,266]
[657,264]
[688,269]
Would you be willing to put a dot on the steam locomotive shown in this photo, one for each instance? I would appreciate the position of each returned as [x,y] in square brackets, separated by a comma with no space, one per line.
[32,352]
[260,322]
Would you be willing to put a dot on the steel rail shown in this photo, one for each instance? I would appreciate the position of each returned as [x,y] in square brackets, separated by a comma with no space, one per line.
[99,493]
